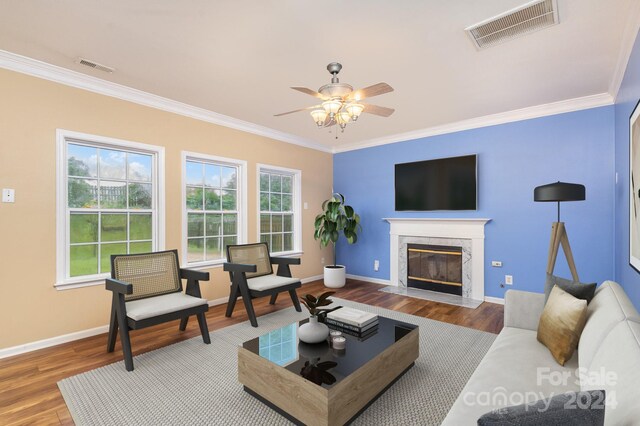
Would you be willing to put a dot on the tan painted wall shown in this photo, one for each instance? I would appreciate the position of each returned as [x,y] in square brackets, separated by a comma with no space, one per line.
[31,110]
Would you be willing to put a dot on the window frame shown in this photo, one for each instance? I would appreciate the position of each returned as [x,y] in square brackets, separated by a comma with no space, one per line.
[296,203]
[241,200]
[63,138]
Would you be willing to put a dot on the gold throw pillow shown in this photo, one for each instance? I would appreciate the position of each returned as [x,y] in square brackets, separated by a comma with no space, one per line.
[561,324]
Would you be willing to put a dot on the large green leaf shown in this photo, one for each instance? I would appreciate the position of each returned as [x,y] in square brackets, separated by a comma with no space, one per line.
[348,210]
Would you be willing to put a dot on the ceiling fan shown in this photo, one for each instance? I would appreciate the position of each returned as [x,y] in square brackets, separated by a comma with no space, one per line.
[340,103]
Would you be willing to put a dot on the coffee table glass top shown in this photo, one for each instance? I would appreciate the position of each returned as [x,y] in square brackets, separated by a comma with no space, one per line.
[319,363]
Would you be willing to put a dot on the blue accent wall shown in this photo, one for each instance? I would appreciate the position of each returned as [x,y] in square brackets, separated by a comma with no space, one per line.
[513,158]
[628,96]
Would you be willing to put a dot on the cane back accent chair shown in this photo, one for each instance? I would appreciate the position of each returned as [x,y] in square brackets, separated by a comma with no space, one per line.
[147,290]
[251,274]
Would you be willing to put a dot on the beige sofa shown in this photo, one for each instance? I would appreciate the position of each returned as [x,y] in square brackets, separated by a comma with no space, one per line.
[517,368]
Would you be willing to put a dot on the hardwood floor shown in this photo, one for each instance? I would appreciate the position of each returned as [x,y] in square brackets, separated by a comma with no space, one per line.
[28,383]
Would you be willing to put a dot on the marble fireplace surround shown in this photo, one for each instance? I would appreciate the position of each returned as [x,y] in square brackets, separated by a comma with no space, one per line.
[465,233]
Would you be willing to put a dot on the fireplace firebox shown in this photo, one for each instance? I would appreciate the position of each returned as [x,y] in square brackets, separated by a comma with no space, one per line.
[435,268]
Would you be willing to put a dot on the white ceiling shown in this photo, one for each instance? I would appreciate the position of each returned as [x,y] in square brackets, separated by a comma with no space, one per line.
[239,58]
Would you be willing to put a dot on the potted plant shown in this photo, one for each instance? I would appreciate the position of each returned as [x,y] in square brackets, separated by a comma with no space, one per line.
[336,218]
[314,331]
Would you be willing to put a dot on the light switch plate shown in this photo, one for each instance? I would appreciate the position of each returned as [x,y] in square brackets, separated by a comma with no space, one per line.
[8,195]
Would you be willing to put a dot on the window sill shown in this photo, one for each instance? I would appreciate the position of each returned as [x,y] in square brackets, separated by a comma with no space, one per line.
[294,253]
[80,282]
[204,265]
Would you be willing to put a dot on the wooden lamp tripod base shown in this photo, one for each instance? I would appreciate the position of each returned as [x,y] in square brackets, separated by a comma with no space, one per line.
[558,192]
[559,236]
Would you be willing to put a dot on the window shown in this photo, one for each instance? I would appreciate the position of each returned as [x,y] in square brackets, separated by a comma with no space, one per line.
[214,207]
[107,204]
[279,199]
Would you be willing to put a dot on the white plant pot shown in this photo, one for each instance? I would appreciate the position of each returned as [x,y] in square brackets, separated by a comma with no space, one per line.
[335,277]
[313,331]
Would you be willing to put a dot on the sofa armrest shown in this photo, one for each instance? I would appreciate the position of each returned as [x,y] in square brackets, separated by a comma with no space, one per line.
[522,309]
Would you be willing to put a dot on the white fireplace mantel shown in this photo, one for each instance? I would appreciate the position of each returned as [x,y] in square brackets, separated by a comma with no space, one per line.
[466,229]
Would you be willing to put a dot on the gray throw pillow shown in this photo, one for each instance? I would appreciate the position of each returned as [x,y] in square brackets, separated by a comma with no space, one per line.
[574,288]
[567,409]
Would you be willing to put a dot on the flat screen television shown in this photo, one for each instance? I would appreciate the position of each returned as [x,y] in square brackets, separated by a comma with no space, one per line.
[442,184]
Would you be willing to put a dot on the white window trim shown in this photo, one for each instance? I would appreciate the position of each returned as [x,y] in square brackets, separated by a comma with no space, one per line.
[242,200]
[62,229]
[297,206]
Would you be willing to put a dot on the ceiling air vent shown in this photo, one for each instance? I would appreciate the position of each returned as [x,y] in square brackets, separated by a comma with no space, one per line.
[94,65]
[514,23]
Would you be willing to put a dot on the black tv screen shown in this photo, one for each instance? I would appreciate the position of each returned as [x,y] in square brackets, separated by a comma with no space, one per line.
[443,184]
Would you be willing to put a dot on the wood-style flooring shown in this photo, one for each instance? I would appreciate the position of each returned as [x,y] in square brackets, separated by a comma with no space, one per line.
[29,393]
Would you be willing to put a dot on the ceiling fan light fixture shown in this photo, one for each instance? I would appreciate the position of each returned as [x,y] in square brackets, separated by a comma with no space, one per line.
[354,110]
[343,118]
[319,116]
[332,106]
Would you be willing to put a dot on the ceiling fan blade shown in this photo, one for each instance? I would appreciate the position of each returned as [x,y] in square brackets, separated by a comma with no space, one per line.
[371,91]
[297,110]
[309,92]
[378,110]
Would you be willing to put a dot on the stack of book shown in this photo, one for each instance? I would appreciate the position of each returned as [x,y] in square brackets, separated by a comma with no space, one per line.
[353,322]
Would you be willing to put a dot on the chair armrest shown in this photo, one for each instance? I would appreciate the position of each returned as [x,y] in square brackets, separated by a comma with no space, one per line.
[190,274]
[239,267]
[118,286]
[285,260]
[522,309]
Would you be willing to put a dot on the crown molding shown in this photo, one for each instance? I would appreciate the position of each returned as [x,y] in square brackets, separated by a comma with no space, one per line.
[628,40]
[537,111]
[35,68]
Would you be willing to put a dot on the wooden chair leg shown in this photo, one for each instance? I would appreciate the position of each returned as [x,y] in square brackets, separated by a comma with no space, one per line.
[126,342]
[183,323]
[246,298]
[204,329]
[273,299]
[232,300]
[113,331]
[295,300]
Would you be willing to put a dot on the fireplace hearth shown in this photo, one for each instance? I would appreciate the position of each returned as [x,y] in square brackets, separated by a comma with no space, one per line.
[435,268]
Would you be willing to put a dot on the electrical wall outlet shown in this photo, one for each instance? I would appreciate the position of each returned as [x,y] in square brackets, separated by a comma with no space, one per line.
[508,279]
[8,195]
[376,265]
[496,264]
[322,260]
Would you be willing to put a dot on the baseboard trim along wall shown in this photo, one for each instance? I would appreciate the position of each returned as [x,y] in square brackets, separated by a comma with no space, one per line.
[369,279]
[66,338]
[52,341]
[498,300]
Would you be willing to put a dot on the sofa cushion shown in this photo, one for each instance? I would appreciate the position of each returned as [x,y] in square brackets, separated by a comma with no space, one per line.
[608,307]
[516,369]
[567,409]
[267,282]
[574,288]
[159,305]
[615,367]
[561,323]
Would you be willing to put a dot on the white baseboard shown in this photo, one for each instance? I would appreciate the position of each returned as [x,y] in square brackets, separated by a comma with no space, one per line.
[369,279]
[53,341]
[220,301]
[65,338]
[312,279]
[498,300]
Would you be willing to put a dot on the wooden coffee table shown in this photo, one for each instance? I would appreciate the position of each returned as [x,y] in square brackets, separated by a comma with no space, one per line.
[271,368]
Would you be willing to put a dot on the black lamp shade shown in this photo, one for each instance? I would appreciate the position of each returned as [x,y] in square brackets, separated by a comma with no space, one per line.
[559,191]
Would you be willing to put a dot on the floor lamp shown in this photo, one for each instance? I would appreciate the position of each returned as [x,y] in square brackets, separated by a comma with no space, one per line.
[558,192]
